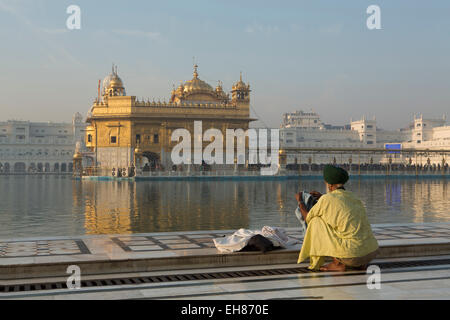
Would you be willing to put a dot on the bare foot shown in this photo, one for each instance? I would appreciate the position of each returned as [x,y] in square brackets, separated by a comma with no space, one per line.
[334,266]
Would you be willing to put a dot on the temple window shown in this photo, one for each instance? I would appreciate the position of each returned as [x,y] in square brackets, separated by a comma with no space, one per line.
[155,138]
[113,139]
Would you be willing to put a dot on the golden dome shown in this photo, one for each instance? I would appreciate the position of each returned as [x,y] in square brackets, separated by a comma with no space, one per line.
[240,85]
[113,83]
[196,85]
[219,87]
[116,82]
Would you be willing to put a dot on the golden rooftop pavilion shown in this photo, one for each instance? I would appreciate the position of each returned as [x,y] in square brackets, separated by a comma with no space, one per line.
[123,129]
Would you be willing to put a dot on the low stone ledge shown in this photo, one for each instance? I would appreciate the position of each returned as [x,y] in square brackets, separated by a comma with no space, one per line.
[237,259]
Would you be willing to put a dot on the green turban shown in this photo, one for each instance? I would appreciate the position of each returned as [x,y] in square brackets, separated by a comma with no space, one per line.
[334,175]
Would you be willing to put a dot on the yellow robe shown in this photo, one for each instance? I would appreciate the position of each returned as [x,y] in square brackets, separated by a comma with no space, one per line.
[337,227]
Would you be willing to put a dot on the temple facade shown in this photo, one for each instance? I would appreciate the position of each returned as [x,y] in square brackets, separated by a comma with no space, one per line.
[124,132]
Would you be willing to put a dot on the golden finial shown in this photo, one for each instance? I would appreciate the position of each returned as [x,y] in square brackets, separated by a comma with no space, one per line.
[240,76]
[195,71]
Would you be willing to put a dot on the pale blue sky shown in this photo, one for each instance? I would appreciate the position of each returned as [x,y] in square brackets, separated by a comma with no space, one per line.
[295,54]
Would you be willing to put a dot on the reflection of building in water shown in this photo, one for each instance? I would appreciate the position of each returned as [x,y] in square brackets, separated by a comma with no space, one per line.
[124,207]
[109,207]
[172,206]
[306,130]
[422,199]
[28,147]
[427,198]
[119,123]
[393,192]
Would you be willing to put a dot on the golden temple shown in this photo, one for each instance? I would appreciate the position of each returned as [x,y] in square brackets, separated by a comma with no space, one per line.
[122,127]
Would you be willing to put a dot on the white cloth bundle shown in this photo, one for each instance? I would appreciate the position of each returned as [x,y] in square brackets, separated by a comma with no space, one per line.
[238,240]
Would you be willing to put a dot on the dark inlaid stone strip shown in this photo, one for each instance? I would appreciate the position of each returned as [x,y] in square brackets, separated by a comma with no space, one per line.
[121,244]
[82,246]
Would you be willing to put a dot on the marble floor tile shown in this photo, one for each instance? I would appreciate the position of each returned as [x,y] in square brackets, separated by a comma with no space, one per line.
[145,248]
[200,236]
[183,246]
[174,241]
[167,237]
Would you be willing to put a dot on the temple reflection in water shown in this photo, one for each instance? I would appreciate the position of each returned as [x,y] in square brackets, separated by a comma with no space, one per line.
[60,206]
[125,207]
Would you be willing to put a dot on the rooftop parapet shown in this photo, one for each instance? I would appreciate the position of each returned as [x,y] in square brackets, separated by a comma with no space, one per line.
[164,104]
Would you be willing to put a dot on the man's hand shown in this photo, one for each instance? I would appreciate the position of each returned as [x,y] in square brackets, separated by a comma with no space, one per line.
[299,197]
[301,205]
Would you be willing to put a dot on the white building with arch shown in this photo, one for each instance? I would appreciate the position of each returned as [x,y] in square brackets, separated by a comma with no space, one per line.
[305,130]
[39,147]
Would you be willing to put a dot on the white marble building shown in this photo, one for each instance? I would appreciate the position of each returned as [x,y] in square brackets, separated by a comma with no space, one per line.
[306,130]
[39,147]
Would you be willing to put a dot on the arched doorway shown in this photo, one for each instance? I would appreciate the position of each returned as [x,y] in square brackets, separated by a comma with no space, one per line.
[6,167]
[19,167]
[56,167]
[31,167]
[153,161]
[47,167]
[63,167]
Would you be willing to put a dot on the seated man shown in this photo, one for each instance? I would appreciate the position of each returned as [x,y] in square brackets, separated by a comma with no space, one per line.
[337,227]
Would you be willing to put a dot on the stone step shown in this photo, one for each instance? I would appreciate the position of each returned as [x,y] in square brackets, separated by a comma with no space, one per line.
[200,261]
[107,254]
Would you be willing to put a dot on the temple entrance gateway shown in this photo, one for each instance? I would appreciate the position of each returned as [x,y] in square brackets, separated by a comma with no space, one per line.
[151,161]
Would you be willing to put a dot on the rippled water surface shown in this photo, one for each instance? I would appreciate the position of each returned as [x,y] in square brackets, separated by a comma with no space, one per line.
[59,206]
